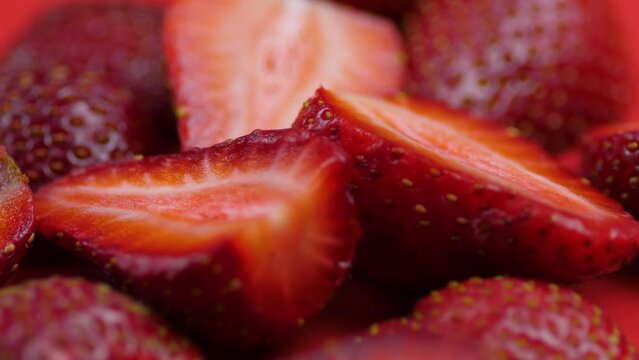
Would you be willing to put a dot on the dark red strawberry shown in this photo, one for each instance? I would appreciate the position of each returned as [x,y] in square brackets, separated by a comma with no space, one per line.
[233,76]
[239,242]
[16,215]
[443,196]
[393,8]
[64,318]
[618,296]
[571,160]
[54,120]
[396,340]
[523,320]
[610,162]
[549,68]
[122,40]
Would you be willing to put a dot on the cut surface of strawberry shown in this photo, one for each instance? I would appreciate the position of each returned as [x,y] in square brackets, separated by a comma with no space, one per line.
[16,215]
[549,68]
[239,242]
[523,320]
[442,196]
[231,77]
[66,318]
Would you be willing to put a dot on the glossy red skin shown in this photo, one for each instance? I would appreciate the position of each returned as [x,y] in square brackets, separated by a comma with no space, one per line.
[202,289]
[617,295]
[66,118]
[502,232]
[123,41]
[523,319]
[577,77]
[75,319]
[394,8]
[17,218]
[610,163]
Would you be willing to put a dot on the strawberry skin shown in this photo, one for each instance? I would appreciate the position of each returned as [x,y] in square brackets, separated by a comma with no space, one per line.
[394,9]
[16,215]
[123,41]
[442,196]
[65,318]
[523,320]
[239,242]
[58,119]
[231,77]
[548,68]
[610,162]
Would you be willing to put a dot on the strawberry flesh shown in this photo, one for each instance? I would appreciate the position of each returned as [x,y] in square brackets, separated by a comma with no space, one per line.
[239,242]
[231,77]
[523,320]
[443,196]
[64,318]
[16,220]
[550,69]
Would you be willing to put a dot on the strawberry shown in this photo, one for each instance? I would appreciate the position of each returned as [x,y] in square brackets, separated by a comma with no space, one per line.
[64,318]
[618,296]
[395,340]
[395,8]
[523,320]
[239,242]
[233,76]
[57,119]
[442,196]
[610,162]
[16,215]
[549,68]
[124,41]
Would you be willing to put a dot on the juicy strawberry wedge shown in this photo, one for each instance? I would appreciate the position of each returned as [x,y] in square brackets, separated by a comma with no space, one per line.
[16,215]
[239,242]
[523,320]
[240,65]
[444,196]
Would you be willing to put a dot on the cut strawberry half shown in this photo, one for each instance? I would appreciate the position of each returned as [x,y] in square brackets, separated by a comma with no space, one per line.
[239,242]
[240,65]
[443,196]
[16,215]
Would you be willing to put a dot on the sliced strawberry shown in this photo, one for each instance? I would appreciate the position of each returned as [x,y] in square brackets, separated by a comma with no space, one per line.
[395,8]
[395,340]
[239,242]
[549,68]
[523,320]
[571,160]
[60,318]
[442,196]
[56,119]
[618,296]
[124,41]
[16,215]
[240,65]
[610,162]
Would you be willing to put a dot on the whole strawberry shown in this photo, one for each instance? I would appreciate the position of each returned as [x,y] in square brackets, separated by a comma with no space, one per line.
[124,41]
[54,120]
[16,215]
[523,320]
[64,318]
[610,163]
[549,68]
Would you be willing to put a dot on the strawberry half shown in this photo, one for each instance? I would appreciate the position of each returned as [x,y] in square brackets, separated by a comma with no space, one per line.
[549,68]
[54,120]
[123,41]
[443,196]
[610,162]
[233,76]
[523,320]
[16,215]
[239,242]
[63,318]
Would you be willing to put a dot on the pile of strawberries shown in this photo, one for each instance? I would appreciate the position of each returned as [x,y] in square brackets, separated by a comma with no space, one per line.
[300,179]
